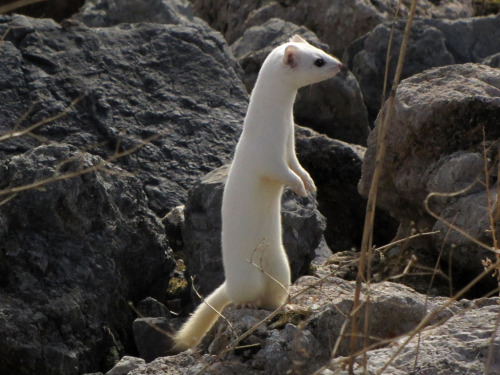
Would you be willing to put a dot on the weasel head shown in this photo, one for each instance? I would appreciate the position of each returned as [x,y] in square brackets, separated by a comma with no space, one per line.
[303,64]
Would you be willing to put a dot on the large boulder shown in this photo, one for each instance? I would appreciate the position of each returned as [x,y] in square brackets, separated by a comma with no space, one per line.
[334,107]
[337,23]
[445,120]
[74,252]
[137,81]
[432,43]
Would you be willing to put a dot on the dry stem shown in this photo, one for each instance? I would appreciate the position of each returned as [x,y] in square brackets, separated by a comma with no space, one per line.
[366,245]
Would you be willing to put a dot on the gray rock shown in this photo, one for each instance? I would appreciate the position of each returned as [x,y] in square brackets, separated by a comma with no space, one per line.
[303,227]
[432,43]
[493,60]
[301,339]
[173,222]
[104,13]
[152,337]
[337,23]
[335,167]
[459,346]
[178,82]
[74,252]
[435,143]
[334,107]
[125,365]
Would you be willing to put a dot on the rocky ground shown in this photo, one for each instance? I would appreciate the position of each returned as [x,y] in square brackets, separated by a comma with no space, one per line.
[117,124]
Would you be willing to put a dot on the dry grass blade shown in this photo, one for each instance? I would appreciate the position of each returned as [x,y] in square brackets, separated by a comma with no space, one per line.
[203,300]
[406,239]
[59,177]
[29,129]
[13,5]
[451,225]
[366,245]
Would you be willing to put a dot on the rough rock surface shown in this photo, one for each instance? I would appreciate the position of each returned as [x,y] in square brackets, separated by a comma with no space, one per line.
[435,144]
[334,107]
[102,13]
[138,81]
[432,43]
[303,228]
[125,365]
[302,338]
[335,167]
[460,346]
[337,23]
[72,254]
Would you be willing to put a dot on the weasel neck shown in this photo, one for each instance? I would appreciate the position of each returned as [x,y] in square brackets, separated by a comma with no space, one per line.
[271,102]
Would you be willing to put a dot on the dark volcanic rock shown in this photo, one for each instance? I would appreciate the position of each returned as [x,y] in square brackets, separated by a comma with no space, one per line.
[465,343]
[76,251]
[138,81]
[152,337]
[335,167]
[73,253]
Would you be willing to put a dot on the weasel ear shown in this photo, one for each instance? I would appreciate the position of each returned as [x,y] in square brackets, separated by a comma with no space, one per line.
[297,39]
[291,56]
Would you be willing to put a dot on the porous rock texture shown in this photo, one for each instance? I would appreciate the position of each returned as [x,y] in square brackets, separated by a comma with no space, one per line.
[336,23]
[102,13]
[335,167]
[445,121]
[333,107]
[432,43]
[137,81]
[467,343]
[73,253]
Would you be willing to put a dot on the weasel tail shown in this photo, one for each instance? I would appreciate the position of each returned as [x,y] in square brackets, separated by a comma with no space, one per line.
[202,320]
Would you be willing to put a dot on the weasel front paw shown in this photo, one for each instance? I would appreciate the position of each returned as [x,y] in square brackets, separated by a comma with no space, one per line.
[299,188]
[308,183]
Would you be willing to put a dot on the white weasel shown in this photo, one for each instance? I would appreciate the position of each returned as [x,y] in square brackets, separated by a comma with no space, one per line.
[264,162]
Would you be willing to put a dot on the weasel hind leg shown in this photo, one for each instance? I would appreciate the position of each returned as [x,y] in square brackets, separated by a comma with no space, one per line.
[246,286]
[277,283]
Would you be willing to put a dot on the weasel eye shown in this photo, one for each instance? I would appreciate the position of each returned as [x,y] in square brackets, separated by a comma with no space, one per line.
[319,62]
